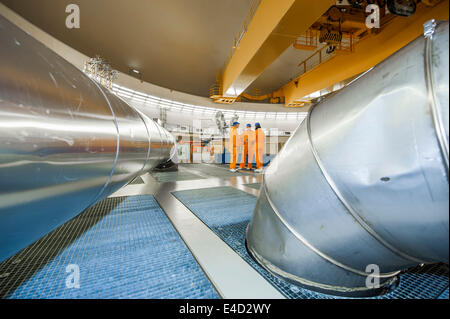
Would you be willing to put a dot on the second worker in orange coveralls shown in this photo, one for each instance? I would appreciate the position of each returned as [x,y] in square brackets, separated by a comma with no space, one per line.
[233,145]
[248,140]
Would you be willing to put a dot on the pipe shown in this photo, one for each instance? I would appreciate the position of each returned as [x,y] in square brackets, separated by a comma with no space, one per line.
[65,141]
[362,185]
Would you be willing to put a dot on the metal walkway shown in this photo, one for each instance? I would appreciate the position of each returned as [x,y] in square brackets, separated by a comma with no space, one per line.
[166,177]
[170,235]
[227,212]
[125,247]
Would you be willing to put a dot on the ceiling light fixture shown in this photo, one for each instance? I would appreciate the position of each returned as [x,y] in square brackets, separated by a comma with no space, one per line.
[135,72]
[101,71]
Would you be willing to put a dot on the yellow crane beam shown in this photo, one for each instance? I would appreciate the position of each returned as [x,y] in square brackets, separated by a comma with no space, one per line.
[272,29]
[367,53]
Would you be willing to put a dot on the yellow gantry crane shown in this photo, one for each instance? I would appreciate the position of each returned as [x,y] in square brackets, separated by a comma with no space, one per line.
[327,28]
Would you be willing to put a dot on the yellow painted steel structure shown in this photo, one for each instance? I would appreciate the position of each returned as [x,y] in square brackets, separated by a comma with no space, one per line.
[274,97]
[268,35]
[367,53]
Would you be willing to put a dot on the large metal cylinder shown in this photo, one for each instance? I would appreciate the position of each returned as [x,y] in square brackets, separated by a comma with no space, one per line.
[65,141]
[363,182]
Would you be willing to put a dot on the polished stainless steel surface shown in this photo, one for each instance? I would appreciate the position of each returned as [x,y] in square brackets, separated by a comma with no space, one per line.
[364,180]
[65,141]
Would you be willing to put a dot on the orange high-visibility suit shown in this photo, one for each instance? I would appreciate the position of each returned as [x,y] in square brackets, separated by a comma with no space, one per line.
[248,139]
[260,140]
[233,145]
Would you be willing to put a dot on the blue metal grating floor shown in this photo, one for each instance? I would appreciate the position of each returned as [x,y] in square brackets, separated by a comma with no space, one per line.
[125,247]
[227,211]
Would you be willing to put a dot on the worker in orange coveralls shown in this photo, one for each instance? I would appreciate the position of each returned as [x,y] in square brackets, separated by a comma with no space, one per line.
[248,140]
[260,140]
[233,145]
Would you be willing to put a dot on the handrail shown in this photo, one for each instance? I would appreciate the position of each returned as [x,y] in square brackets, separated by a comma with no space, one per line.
[343,47]
[237,39]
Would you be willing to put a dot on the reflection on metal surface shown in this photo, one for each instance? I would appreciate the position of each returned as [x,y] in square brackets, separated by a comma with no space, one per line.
[65,141]
[364,180]
[437,109]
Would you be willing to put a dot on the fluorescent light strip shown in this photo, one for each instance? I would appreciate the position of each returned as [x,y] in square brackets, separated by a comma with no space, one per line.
[157,102]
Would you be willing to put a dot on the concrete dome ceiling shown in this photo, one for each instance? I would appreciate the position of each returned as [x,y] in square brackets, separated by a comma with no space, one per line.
[177,44]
